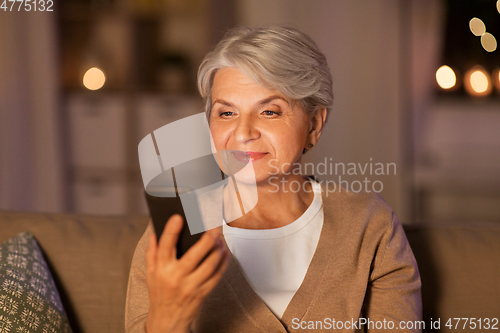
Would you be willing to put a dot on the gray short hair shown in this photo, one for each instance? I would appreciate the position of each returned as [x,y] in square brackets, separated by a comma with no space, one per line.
[285,59]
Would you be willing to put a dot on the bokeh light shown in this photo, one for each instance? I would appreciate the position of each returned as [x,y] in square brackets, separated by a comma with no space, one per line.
[477,82]
[445,77]
[94,79]
[498,6]
[489,42]
[477,27]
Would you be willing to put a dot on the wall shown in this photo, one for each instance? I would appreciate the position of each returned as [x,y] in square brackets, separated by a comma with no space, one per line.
[363,42]
[31,173]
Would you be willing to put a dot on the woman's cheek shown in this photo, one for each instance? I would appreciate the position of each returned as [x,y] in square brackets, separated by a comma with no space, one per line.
[217,137]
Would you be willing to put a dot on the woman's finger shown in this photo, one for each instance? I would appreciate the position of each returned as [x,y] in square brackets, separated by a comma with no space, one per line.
[210,284]
[168,240]
[210,265]
[192,258]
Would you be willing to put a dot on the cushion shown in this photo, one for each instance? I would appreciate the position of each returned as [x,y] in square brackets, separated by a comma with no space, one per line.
[89,258]
[29,301]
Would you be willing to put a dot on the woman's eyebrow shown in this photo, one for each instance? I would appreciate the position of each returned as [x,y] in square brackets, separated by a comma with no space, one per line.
[223,102]
[261,102]
[272,98]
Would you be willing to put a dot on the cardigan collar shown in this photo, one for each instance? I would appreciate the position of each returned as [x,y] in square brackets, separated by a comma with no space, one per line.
[255,307]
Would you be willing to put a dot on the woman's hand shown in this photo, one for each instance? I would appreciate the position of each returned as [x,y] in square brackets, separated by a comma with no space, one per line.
[177,287]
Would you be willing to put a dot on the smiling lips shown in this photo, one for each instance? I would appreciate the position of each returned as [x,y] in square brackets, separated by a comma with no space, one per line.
[245,156]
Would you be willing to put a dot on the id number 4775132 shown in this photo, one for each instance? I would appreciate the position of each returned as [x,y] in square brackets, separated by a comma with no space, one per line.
[472,323]
[27,5]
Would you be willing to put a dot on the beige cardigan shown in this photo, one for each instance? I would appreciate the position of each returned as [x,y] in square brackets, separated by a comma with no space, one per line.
[363,267]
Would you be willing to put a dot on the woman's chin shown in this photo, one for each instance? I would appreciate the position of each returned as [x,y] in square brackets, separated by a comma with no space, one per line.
[251,179]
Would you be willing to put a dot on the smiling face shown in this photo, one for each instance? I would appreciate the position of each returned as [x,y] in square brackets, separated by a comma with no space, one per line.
[260,123]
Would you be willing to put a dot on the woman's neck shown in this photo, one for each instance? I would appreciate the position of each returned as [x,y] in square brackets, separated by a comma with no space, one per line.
[280,202]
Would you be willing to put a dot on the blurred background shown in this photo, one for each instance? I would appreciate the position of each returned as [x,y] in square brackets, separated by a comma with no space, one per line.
[416,83]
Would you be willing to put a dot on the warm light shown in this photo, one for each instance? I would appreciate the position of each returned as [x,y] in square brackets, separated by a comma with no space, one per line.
[94,79]
[477,82]
[489,42]
[445,77]
[477,26]
[498,6]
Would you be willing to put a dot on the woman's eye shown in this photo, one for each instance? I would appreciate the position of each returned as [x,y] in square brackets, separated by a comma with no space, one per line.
[226,114]
[270,113]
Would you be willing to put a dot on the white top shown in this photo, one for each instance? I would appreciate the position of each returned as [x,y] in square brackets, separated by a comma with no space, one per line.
[275,261]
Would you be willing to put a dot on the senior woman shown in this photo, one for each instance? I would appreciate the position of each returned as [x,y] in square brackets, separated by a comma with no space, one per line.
[302,258]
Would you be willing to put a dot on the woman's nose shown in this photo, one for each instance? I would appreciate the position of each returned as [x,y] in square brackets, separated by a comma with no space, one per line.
[245,130]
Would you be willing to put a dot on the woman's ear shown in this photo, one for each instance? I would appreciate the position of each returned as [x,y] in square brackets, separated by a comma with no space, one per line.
[316,127]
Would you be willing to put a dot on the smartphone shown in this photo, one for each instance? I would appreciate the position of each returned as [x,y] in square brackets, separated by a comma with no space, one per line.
[163,202]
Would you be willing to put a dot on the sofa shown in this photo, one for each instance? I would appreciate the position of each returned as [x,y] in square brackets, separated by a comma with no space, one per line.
[89,259]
